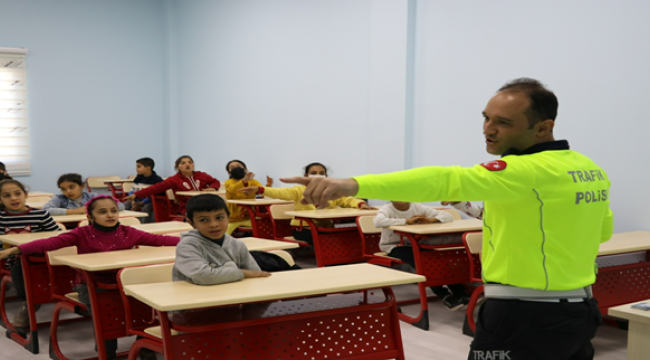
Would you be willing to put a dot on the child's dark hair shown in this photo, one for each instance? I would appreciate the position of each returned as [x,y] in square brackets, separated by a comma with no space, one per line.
[146,162]
[314,164]
[11,181]
[232,161]
[2,166]
[205,202]
[178,161]
[72,177]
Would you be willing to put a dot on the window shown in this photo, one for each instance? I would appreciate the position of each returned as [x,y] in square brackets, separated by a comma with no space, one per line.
[14,118]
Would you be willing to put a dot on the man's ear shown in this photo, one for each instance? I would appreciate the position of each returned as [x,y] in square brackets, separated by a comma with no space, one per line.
[545,127]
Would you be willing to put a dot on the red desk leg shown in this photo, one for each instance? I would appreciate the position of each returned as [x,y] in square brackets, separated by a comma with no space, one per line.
[260,221]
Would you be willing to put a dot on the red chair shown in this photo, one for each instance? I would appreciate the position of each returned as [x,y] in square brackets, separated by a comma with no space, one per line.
[370,236]
[281,224]
[146,328]
[473,245]
[164,208]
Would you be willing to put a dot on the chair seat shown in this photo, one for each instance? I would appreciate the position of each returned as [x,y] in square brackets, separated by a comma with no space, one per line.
[290,238]
[73,296]
[156,331]
[383,254]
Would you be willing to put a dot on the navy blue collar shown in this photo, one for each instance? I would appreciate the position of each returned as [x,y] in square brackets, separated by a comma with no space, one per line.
[550,145]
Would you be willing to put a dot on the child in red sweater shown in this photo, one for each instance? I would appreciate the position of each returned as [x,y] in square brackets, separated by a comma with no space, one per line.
[186,179]
[104,233]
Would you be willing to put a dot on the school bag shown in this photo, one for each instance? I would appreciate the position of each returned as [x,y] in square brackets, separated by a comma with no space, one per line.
[271,262]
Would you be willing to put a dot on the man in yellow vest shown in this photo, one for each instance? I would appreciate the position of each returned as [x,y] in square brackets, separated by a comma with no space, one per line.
[546,213]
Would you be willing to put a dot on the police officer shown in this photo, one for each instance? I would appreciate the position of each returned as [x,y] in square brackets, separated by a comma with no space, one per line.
[546,213]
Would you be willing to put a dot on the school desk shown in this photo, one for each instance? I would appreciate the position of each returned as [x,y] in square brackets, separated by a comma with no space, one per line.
[339,312]
[37,287]
[638,346]
[165,227]
[260,215]
[334,245]
[35,204]
[221,193]
[106,305]
[446,264]
[116,186]
[79,217]
[38,193]
[623,270]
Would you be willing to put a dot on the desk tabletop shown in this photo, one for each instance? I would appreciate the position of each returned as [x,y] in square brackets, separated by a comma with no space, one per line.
[431,229]
[116,180]
[330,213]
[626,242]
[257,244]
[195,193]
[35,204]
[113,260]
[182,295]
[626,312]
[165,227]
[38,193]
[264,201]
[80,217]
[20,239]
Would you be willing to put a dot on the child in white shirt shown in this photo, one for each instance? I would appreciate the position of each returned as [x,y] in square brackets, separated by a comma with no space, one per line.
[404,213]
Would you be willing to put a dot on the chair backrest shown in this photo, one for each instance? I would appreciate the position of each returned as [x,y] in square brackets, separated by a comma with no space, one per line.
[82,223]
[366,225]
[370,235]
[61,277]
[281,222]
[454,213]
[61,226]
[97,182]
[129,220]
[278,211]
[132,176]
[126,187]
[285,255]
[473,242]
[164,209]
[139,316]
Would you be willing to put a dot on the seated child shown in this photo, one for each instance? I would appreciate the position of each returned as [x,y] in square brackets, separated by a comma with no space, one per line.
[207,255]
[146,176]
[104,233]
[186,179]
[73,197]
[18,218]
[404,213]
[300,229]
[240,178]
[471,209]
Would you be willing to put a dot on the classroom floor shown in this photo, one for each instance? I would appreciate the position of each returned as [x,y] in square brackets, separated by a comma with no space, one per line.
[444,339]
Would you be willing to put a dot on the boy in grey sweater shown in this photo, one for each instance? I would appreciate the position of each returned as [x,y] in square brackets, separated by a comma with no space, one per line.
[207,255]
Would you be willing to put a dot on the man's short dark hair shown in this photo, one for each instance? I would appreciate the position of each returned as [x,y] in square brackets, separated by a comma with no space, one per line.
[146,162]
[205,202]
[543,103]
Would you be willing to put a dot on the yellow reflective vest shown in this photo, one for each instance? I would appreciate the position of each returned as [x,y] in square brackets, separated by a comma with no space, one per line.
[545,214]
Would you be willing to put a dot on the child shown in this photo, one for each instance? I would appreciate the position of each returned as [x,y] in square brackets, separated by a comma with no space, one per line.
[4,175]
[240,178]
[467,207]
[186,179]
[404,213]
[300,229]
[104,233]
[73,197]
[146,176]
[17,218]
[207,255]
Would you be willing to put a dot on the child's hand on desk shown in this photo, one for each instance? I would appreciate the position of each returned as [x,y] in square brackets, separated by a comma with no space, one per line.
[367,207]
[12,251]
[130,197]
[445,203]
[414,220]
[426,220]
[250,190]
[77,211]
[255,273]
[269,181]
[137,206]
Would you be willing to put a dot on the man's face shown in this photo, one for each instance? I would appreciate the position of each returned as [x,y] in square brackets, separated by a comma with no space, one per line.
[505,125]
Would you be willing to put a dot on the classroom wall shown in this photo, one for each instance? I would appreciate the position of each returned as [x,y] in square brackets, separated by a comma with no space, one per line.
[593,54]
[95,76]
[280,84]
